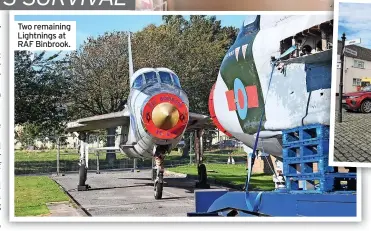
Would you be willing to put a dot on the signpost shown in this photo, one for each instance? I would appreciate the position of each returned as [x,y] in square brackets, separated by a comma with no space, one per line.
[349,51]
[340,118]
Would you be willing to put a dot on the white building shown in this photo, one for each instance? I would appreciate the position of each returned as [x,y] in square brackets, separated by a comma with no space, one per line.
[356,67]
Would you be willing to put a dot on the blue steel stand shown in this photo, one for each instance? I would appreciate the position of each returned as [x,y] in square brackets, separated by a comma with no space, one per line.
[313,188]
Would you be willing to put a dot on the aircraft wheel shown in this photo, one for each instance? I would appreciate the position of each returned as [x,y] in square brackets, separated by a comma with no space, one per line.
[202,173]
[82,174]
[158,190]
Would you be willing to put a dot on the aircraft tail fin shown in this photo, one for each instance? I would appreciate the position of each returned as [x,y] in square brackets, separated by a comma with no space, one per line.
[131,67]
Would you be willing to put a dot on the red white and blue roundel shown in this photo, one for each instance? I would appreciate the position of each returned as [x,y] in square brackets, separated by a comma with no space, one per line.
[241,98]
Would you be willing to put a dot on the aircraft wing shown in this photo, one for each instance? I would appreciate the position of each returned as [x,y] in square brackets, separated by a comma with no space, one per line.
[100,121]
[198,121]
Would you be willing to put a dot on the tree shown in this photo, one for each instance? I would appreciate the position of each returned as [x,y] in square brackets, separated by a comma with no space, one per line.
[99,76]
[40,89]
[194,49]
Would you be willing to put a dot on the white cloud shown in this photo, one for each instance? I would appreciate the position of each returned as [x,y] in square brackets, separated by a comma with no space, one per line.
[356,19]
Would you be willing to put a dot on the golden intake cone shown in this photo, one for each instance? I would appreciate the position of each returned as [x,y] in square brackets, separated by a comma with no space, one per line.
[165,116]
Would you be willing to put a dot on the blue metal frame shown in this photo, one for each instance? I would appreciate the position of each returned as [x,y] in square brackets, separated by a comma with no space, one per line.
[321,194]
[336,204]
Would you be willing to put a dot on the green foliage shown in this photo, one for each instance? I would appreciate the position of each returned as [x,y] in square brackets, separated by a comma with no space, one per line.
[40,87]
[99,74]
[193,49]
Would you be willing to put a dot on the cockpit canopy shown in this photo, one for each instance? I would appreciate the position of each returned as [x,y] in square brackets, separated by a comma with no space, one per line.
[153,77]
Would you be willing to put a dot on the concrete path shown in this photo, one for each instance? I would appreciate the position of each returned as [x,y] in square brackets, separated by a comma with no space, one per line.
[131,194]
[64,209]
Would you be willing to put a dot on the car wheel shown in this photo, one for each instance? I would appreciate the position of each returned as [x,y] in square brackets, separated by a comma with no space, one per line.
[366,106]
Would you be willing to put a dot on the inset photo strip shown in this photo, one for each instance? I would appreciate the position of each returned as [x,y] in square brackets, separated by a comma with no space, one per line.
[351,84]
[161,116]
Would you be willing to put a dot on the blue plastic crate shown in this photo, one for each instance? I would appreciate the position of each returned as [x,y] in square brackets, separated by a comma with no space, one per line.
[329,182]
[306,166]
[305,133]
[307,148]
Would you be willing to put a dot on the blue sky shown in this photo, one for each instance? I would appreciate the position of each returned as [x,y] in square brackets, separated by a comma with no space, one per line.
[94,25]
[355,22]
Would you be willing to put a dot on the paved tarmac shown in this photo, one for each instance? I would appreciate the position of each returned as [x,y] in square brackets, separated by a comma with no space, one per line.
[352,137]
[130,194]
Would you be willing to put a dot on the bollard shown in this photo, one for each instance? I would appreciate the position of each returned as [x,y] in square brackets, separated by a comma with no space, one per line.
[58,155]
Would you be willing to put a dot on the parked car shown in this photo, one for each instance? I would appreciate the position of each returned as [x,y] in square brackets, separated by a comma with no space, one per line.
[223,144]
[358,101]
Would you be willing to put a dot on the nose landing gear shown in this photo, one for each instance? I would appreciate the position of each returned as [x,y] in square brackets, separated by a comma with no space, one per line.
[158,171]
[159,185]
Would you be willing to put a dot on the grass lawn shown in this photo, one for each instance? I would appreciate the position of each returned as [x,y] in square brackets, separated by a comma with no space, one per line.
[234,174]
[33,192]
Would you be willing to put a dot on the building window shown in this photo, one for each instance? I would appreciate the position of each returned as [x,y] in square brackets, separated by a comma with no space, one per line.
[356,82]
[359,64]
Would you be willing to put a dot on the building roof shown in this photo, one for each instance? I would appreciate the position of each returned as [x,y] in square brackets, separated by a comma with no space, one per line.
[362,53]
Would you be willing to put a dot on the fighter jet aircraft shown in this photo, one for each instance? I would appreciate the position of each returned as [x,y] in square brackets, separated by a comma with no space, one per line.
[152,123]
[291,54]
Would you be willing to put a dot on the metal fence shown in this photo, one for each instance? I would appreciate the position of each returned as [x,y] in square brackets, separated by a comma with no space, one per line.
[61,155]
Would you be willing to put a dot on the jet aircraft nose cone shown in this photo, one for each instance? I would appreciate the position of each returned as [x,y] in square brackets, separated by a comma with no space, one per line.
[165,116]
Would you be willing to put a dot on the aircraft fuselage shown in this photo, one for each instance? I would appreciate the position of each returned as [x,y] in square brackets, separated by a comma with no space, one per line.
[158,111]
[299,92]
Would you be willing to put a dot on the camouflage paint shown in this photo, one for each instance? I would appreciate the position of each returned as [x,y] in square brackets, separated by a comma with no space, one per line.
[235,65]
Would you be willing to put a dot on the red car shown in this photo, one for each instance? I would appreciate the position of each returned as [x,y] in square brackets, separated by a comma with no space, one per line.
[358,101]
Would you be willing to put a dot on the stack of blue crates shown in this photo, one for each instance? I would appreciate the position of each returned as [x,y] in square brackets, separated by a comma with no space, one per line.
[305,161]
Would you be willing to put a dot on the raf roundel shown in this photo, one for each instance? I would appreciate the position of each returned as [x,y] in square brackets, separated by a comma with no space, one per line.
[240,96]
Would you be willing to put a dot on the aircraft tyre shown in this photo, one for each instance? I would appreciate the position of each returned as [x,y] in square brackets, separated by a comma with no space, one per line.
[82,175]
[202,173]
[158,190]
[82,179]
[202,177]
[159,184]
